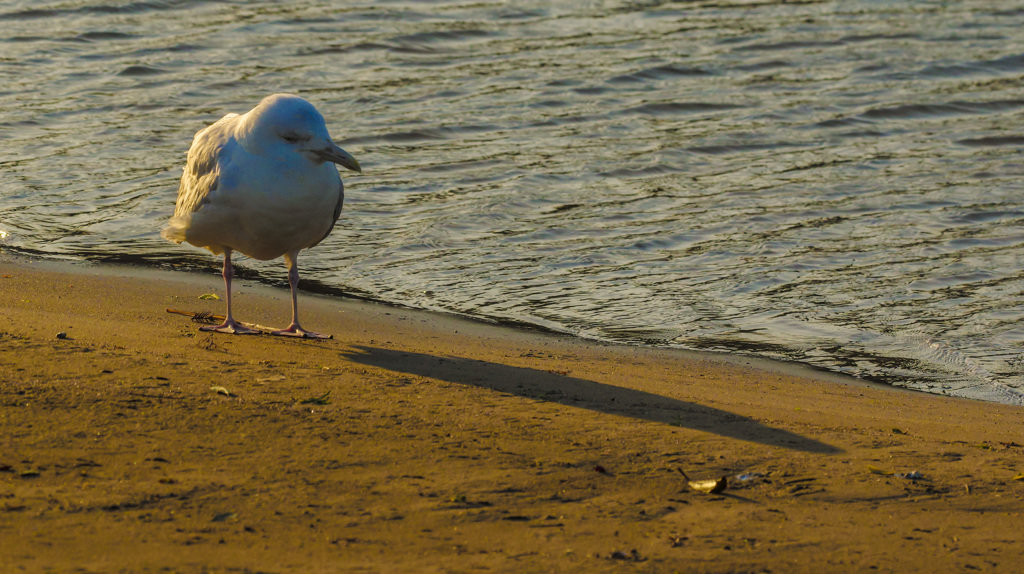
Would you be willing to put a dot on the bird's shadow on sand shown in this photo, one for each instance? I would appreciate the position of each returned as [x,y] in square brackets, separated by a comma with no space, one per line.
[586,394]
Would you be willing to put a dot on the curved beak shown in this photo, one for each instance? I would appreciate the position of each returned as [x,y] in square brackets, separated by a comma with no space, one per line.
[335,154]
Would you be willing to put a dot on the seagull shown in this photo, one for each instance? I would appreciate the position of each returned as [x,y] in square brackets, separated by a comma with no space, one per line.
[262,183]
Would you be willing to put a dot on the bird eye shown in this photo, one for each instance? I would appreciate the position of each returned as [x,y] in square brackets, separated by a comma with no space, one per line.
[291,138]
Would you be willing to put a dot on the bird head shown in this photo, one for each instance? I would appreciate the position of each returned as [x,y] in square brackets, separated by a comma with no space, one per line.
[290,122]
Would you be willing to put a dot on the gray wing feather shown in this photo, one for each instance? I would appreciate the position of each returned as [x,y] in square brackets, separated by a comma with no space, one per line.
[200,177]
[337,211]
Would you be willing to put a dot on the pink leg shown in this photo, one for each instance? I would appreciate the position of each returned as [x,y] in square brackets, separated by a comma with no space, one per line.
[296,330]
[229,325]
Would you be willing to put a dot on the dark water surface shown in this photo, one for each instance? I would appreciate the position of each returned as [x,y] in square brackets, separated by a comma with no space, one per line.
[837,183]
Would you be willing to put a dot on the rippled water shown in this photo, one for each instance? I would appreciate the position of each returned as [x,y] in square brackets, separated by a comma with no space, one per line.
[837,183]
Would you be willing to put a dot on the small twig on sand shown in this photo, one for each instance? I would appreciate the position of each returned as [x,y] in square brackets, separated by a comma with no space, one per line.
[209,318]
[199,316]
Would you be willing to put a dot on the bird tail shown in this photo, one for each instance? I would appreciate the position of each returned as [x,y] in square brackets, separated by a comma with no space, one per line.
[175,230]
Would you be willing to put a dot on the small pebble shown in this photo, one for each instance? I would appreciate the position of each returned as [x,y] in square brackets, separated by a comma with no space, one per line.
[62,335]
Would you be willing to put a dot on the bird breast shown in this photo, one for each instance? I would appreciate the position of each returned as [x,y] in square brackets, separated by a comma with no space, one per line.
[278,206]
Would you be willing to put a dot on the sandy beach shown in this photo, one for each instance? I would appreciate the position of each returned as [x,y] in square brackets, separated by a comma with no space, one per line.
[420,442]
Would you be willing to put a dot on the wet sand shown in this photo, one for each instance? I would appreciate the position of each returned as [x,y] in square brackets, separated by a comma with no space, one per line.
[420,442]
